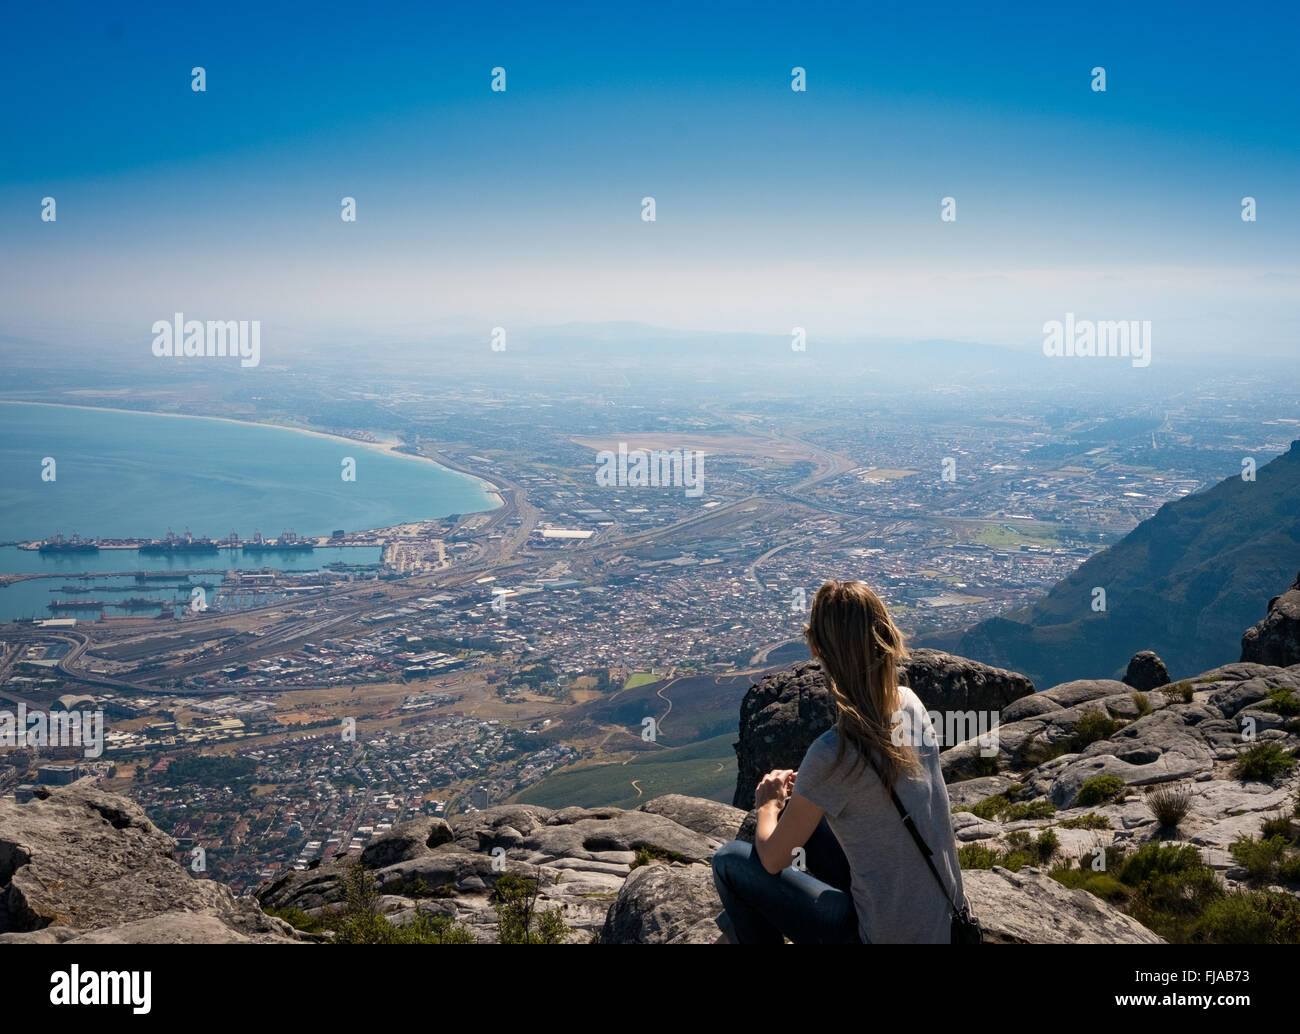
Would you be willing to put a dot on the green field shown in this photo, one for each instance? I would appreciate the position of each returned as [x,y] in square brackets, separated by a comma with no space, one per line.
[640,678]
[1001,536]
[692,770]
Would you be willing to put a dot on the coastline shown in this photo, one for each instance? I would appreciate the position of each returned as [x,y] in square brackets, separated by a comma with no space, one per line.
[391,447]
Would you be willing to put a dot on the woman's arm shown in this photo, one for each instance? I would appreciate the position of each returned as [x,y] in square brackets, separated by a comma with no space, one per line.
[780,831]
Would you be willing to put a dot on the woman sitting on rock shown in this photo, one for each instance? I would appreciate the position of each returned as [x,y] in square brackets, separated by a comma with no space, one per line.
[832,859]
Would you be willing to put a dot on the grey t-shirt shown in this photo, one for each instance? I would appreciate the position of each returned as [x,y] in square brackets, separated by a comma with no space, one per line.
[896,896]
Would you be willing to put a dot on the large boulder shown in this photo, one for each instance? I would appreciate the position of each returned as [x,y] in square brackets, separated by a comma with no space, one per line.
[88,860]
[1276,639]
[785,711]
[664,904]
[1146,672]
[1029,907]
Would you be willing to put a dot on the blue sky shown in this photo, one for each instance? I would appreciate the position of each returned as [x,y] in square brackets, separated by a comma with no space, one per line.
[774,208]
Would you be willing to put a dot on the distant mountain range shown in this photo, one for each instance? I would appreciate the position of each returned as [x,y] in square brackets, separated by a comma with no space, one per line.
[1183,583]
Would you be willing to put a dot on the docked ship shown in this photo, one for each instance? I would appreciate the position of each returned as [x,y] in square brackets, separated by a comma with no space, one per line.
[77,605]
[174,543]
[75,544]
[288,542]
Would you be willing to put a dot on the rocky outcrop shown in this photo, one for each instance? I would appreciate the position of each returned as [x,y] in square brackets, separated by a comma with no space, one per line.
[1276,639]
[580,857]
[85,866]
[1146,672]
[785,711]
[1029,907]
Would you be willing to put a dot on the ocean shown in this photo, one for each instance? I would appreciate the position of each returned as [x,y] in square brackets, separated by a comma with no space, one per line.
[124,475]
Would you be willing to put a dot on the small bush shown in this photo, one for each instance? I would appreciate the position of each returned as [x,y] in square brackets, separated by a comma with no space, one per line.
[976,856]
[990,807]
[1181,691]
[1264,761]
[1252,917]
[1142,702]
[1284,701]
[298,919]
[984,766]
[998,805]
[1040,809]
[1089,821]
[1170,804]
[1260,858]
[518,919]
[1046,845]
[1093,725]
[1289,870]
[1100,789]
[1036,752]
[1280,826]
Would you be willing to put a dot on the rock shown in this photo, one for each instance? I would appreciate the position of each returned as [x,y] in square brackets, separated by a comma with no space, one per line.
[785,711]
[1029,907]
[90,860]
[1276,639]
[1146,672]
[406,841]
[1081,691]
[176,928]
[662,904]
[710,818]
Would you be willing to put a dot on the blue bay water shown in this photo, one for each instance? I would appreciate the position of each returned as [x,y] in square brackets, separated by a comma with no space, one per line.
[137,474]
[134,475]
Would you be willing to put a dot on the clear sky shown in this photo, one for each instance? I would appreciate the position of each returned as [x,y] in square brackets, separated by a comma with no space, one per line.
[774,208]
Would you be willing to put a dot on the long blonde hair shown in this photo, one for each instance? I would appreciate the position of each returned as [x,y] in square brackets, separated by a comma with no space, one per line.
[860,650]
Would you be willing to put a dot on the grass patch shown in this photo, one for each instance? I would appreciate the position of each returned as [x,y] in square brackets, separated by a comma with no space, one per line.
[1142,702]
[1089,821]
[1170,804]
[648,854]
[1179,691]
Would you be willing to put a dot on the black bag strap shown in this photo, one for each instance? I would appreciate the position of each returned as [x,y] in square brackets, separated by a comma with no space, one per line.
[919,840]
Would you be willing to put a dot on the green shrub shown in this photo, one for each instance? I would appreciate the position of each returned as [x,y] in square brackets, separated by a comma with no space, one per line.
[1170,803]
[1284,701]
[1046,845]
[1289,870]
[298,919]
[1182,691]
[984,766]
[1036,752]
[990,807]
[1039,809]
[976,856]
[361,923]
[1280,826]
[1264,761]
[1102,884]
[1260,858]
[1089,821]
[1251,917]
[998,805]
[518,919]
[1100,789]
[1142,702]
[1093,725]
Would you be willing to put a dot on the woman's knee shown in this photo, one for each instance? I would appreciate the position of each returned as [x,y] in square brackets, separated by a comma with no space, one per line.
[730,858]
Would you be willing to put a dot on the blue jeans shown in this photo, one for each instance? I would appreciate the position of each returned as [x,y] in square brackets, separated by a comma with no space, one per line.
[812,907]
